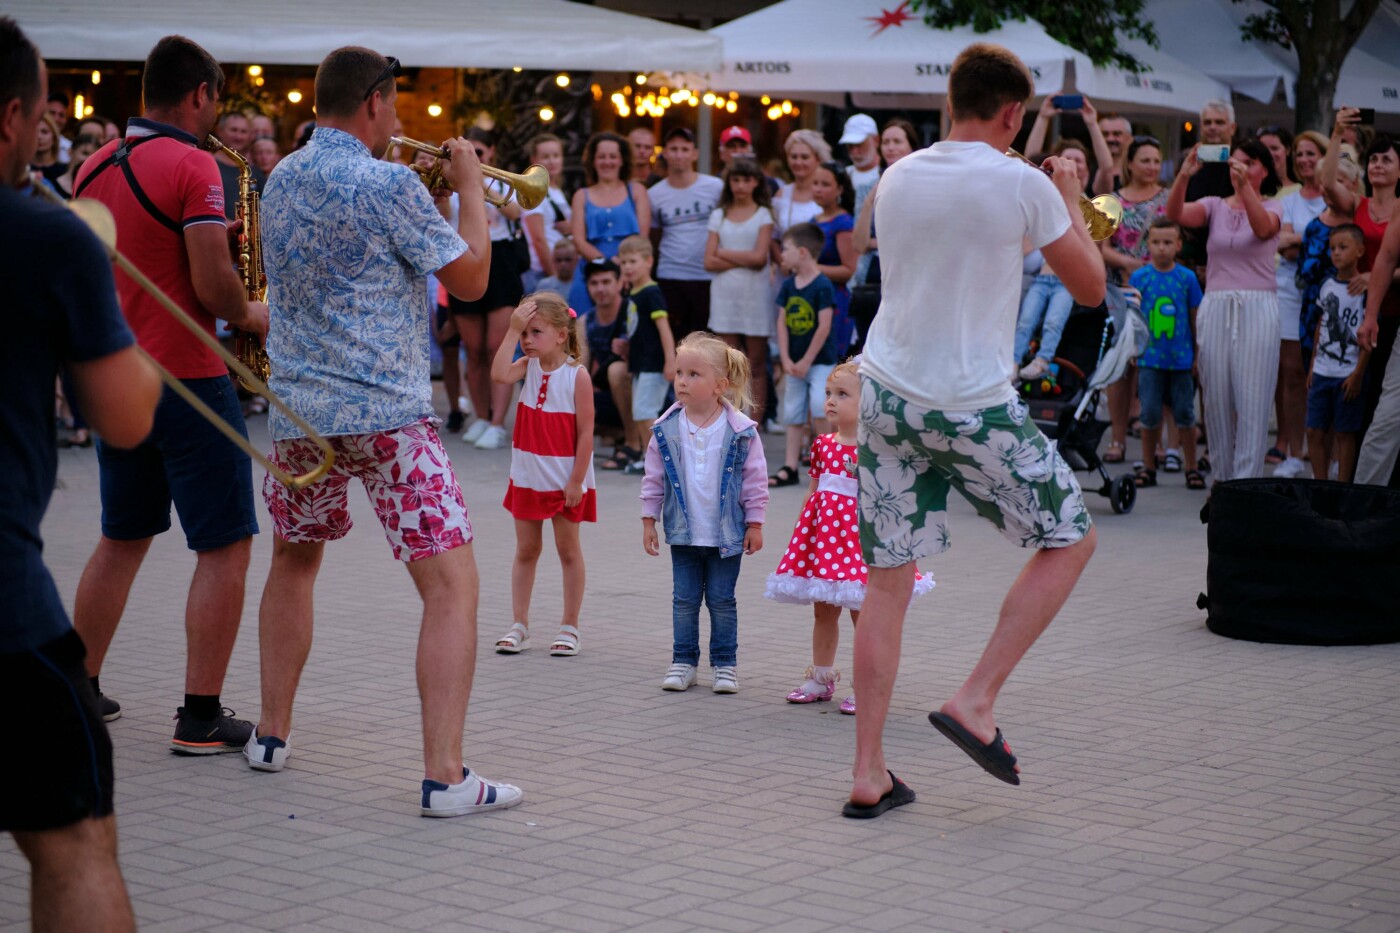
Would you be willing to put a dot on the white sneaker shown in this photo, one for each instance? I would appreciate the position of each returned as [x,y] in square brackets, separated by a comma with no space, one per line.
[268,753]
[726,681]
[679,677]
[1332,470]
[1035,369]
[772,427]
[474,794]
[473,433]
[1289,468]
[493,438]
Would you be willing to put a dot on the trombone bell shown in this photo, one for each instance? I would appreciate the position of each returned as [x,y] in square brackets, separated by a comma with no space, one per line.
[529,189]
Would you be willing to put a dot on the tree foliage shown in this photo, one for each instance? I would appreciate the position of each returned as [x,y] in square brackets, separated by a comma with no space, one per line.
[1093,27]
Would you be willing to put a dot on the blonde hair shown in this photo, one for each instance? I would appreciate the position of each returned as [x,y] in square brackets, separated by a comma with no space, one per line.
[728,362]
[812,140]
[851,366]
[555,311]
[1314,137]
[635,245]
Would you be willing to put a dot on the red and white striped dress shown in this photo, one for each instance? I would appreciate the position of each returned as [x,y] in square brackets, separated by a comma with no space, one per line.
[543,447]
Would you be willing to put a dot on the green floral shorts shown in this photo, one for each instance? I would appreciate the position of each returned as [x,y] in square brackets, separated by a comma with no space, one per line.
[996,458]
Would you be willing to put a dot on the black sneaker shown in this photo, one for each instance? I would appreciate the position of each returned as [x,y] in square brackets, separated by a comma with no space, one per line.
[108,707]
[454,422]
[216,736]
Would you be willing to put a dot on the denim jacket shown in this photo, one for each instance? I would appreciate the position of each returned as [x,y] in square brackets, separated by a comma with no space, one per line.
[743,496]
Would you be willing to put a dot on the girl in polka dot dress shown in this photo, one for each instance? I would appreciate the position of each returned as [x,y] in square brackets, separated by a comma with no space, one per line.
[822,564]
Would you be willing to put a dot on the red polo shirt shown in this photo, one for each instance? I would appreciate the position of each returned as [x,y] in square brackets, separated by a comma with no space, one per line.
[182,181]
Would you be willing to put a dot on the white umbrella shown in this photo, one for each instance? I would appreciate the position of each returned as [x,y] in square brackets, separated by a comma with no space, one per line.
[1205,35]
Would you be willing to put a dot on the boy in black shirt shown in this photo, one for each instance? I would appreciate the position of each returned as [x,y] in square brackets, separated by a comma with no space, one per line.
[806,303]
[651,350]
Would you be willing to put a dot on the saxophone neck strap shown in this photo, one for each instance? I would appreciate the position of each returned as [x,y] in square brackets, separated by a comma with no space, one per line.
[121,157]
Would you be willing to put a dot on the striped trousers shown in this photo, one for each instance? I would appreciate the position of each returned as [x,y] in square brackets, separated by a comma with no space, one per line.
[1237,336]
[1382,441]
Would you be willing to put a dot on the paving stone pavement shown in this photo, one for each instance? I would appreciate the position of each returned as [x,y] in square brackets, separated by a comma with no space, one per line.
[1173,780]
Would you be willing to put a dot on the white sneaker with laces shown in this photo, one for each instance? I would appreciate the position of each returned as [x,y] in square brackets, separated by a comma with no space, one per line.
[1291,468]
[474,431]
[493,438]
[474,794]
[268,753]
[726,680]
[679,677]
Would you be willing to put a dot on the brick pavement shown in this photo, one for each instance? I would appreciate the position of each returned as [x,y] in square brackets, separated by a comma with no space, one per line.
[1174,780]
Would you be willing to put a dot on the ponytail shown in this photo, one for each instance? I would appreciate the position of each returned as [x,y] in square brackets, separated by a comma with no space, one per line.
[737,372]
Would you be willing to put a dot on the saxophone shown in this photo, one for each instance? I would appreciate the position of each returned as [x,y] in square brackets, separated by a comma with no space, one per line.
[247,346]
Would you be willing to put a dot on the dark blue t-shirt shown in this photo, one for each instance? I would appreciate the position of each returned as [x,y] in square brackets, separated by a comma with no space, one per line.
[1167,300]
[63,309]
[800,307]
[645,352]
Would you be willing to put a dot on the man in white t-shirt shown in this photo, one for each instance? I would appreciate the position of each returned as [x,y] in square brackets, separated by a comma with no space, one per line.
[861,137]
[681,204]
[939,413]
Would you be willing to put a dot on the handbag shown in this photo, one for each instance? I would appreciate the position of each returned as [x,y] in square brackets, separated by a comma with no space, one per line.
[518,247]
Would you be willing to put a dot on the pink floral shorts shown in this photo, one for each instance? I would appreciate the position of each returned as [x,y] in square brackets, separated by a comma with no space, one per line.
[406,473]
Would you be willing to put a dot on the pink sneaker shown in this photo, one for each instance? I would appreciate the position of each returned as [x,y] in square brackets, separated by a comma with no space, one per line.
[848,705]
[813,690]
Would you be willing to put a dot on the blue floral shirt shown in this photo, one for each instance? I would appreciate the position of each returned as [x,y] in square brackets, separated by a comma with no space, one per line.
[348,242]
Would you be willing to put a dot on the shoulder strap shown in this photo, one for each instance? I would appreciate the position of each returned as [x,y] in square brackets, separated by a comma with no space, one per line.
[120,157]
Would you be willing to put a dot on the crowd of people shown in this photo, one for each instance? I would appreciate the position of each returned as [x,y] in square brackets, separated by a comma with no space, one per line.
[682,314]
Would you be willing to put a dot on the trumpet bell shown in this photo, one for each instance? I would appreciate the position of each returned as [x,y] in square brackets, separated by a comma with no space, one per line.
[531,188]
[1102,216]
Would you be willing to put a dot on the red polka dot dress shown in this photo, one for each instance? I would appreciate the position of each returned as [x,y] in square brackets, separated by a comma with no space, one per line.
[822,562]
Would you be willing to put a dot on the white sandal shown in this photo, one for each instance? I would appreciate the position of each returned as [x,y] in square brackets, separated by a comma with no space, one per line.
[514,641]
[565,644]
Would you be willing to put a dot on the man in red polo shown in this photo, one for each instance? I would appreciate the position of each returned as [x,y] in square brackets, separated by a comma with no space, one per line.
[168,201]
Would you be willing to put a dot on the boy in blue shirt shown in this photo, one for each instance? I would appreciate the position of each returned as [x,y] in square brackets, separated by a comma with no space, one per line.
[1170,296]
[807,350]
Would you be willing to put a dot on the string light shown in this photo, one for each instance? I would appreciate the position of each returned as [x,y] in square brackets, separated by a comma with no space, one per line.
[641,79]
[254,71]
[435,110]
[765,100]
[1188,126]
[87,111]
[709,99]
[732,106]
[294,96]
[546,114]
[775,112]
[97,77]
[259,81]
[787,106]
[517,69]
[78,106]
[562,80]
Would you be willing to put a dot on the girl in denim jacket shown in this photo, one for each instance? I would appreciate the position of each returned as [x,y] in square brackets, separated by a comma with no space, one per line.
[707,480]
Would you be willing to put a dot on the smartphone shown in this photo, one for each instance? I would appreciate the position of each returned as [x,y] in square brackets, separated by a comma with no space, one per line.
[1068,101]
[1212,153]
[1366,116]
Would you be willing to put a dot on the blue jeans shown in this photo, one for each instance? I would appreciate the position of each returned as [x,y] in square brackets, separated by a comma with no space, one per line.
[1049,301]
[700,572]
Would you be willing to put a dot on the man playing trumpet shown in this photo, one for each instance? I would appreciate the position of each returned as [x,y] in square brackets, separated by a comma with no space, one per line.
[348,242]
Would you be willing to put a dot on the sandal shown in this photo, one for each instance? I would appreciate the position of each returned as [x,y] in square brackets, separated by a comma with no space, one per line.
[1115,452]
[565,644]
[786,476]
[1203,463]
[516,640]
[1172,462]
[1194,480]
[1274,455]
[1144,477]
[621,459]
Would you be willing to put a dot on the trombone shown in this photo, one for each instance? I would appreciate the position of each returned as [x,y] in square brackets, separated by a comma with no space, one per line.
[530,189]
[99,219]
[1102,215]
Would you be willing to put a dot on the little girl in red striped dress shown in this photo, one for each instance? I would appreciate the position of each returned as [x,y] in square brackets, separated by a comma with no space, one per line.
[551,463]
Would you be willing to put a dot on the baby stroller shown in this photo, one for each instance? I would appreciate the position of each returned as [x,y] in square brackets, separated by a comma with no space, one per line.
[1090,357]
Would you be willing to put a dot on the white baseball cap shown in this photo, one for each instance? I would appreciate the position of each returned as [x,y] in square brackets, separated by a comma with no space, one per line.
[858,129]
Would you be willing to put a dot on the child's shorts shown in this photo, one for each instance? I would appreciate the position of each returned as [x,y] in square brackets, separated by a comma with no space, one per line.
[1328,408]
[648,395]
[805,396]
[1175,387]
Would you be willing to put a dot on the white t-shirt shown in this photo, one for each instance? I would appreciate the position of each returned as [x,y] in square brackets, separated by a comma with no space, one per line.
[700,468]
[683,215]
[863,177]
[789,213]
[552,209]
[1341,314]
[1299,212]
[952,219]
[497,225]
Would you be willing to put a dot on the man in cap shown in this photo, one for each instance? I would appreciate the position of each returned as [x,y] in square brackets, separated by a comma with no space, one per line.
[861,137]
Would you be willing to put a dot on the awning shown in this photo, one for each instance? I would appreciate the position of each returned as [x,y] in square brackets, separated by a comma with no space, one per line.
[1171,86]
[543,34]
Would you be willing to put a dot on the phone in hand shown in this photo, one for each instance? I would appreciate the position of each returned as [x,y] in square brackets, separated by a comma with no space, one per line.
[1068,101]
[1212,153]
[1366,116]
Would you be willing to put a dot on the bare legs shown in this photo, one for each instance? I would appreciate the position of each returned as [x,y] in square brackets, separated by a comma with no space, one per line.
[75,882]
[1033,600]
[620,383]
[212,613]
[1290,399]
[482,336]
[528,546]
[284,630]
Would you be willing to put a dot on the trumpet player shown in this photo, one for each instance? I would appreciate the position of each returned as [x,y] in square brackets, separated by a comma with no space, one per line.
[166,196]
[349,242]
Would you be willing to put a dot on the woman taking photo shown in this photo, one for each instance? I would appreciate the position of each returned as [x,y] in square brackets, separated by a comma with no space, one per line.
[1237,325]
[608,211]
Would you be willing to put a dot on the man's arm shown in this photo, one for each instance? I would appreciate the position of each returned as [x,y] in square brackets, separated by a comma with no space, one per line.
[1074,256]
[216,282]
[466,276]
[117,394]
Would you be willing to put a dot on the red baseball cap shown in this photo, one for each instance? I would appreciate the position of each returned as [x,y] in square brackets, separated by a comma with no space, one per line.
[733,133]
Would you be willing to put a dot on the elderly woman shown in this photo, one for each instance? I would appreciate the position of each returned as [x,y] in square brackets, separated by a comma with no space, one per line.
[1237,326]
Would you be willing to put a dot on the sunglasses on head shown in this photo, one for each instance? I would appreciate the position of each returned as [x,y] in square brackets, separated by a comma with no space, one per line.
[1147,140]
[391,70]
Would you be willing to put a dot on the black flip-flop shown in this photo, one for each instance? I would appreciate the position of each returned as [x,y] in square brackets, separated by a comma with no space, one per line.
[995,757]
[896,796]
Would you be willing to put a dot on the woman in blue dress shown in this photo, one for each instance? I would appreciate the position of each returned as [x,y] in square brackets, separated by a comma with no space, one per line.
[606,212]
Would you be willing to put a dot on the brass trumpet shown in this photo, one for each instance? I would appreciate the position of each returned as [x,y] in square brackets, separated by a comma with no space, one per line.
[99,219]
[530,189]
[1102,215]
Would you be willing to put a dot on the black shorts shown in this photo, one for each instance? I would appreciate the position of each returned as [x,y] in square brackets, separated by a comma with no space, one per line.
[56,728]
[443,315]
[504,288]
[687,305]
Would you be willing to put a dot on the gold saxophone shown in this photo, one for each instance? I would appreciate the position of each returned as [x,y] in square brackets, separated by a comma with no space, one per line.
[248,347]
